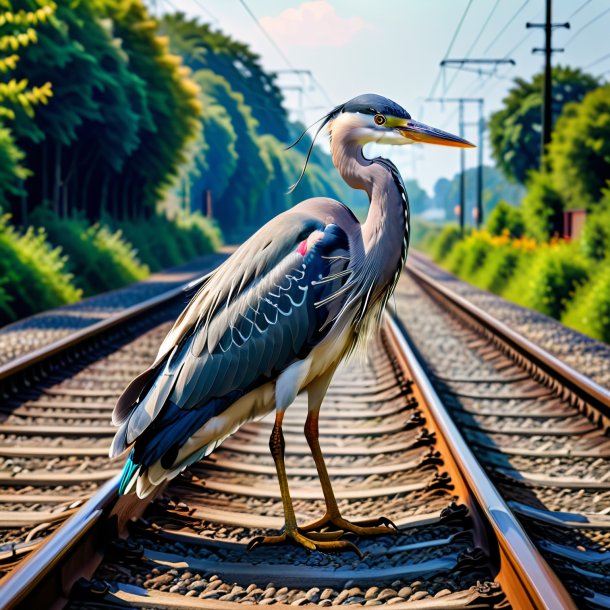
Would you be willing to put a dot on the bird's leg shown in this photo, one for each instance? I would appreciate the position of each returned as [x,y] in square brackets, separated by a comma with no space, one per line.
[325,542]
[333,518]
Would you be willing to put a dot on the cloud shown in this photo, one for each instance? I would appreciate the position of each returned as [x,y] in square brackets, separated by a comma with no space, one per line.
[313,24]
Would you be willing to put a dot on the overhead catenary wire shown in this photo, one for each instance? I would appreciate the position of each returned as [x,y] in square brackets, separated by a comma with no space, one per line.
[586,25]
[597,61]
[453,39]
[207,11]
[505,27]
[281,52]
[474,42]
[579,8]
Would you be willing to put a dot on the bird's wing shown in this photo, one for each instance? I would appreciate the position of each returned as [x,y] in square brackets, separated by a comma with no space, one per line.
[251,320]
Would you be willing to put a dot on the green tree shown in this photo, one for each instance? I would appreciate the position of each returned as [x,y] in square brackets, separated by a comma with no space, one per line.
[201,47]
[11,171]
[579,153]
[238,204]
[515,129]
[418,198]
[173,107]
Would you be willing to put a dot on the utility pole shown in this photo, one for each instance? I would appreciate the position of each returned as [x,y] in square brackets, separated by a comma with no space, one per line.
[461,101]
[480,124]
[547,87]
[462,168]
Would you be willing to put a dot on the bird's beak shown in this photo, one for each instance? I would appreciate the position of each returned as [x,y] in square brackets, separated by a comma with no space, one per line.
[418,132]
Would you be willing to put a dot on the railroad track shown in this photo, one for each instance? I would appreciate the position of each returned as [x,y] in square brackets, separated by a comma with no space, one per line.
[539,428]
[392,449]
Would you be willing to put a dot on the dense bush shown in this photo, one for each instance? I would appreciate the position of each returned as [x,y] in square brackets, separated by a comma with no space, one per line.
[162,243]
[445,241]
[549,280]
[506,218]
[34,274]
[99,259]
[589,312]
[579,152]
[542,207]
[468,257]
[595,238]
[500,265]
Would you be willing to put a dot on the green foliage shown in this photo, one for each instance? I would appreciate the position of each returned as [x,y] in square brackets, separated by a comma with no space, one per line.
[424,234]
[515,129]
[418,197]
[506,218]
[99,259]
[548,283]
[579,153]
[445,242]
[114,133]
[595,238]
[495,189]
[237,206]
[34,274]
[162,243]
[11,171]
[203,48]
[542,207]
[589,311]
[501,263]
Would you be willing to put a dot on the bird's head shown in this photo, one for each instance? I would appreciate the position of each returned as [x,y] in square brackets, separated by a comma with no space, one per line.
[374,118]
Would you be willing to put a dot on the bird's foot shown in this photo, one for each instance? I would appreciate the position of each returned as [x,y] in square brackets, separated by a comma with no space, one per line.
[325,542]
[368,527]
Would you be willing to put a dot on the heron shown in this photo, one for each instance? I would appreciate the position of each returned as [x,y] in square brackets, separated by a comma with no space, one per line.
[275,320]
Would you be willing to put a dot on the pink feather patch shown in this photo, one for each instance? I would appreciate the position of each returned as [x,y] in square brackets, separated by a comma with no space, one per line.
[302,249]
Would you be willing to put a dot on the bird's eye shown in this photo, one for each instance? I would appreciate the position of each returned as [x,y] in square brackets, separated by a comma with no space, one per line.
[379,119]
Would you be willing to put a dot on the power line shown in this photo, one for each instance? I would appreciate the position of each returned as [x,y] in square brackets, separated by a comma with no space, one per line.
[579,8]
[455,35]
[506,26]
[597,61]
[584,27]
[207,11]
[323,91]
[281,53]
[476,39]
[267,35]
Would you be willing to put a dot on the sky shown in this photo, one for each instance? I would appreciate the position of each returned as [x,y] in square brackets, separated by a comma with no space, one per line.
[394,47]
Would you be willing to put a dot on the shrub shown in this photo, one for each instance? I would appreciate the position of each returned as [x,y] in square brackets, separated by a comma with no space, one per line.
[595,238]
[34,274]
[163,243]
[500,265]
[467,258]
[547,282]
[98,258]
[445,241]
[455,259]
[589,312]
[117,263]
[542,207]
[506,218]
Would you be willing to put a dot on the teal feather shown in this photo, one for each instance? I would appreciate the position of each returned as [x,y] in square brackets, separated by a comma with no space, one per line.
[128,473]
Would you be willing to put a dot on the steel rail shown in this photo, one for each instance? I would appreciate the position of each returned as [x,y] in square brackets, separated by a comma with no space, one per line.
[521,565]
[60,346]
[49,572]
[581,386]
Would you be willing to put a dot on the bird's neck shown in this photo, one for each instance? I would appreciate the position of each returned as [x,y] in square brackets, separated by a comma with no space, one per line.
[386,229]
